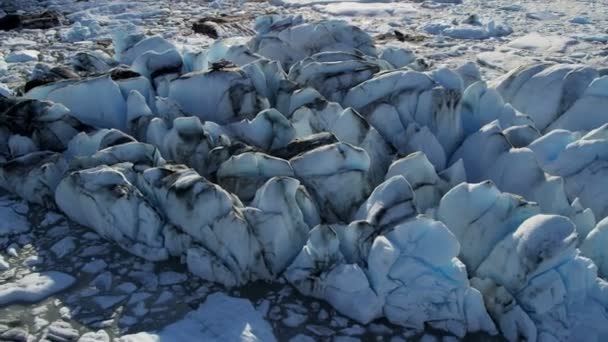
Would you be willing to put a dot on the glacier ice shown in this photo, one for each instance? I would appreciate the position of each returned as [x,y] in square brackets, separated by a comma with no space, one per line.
[229,95]
[431,197]
[534,280]
[289,41]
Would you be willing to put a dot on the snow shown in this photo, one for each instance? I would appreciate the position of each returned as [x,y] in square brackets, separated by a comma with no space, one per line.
[470,29]
[308,2]
[97,336]
[364,9]
[219,318]
[34,287]
[503,61]
[540,43]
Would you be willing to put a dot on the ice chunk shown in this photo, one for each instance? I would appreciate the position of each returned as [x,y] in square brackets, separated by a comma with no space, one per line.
[482,105]
[333,73]
[593,247]
[92,61]
[469,29]
[97,336]
[275,228]
[393,100]
[14,219]
[84,145]
[152,63]
[476,162]
[348,126]
[522,86]
[219,318]
[34,177]
[269,130]
[421,176]
[98,101]
[362,9]
[136,107]
[401,275]
[398,57]
[522,135]
[543,43]
[390,203]
[21,56]
[338,283]
[34,287]
[20,145]
[4,90]
[4,265]
[526,265]
[582,163]
[480,216]
[221,95]
[64,247]
[186,142]
[289,44]
[139,154]
[243,174]
[103,199]
[50,126]
[128,49]
[336,176]
[583,114]
[285,216]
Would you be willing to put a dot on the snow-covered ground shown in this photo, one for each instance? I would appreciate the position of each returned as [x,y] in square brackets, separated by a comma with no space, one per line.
[303,170]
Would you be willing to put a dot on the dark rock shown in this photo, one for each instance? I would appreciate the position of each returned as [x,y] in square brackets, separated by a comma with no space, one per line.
[44,20]
[299,146]
[10,22]
[53,75]
[215,27]
[121,73]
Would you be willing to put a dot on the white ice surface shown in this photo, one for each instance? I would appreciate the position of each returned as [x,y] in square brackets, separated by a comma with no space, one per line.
[34,287]
[365,9]
[220,318]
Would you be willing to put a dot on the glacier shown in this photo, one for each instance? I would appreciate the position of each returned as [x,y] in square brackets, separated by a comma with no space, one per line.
[431,197]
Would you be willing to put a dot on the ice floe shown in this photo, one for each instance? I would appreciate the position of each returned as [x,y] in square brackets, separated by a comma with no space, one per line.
[34,287]
[219,318]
